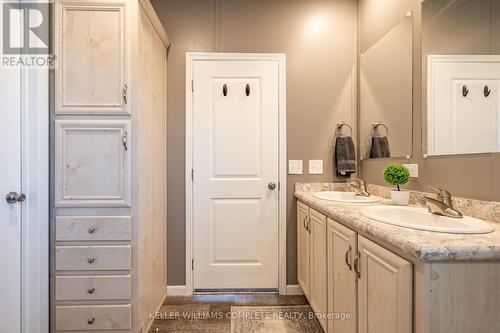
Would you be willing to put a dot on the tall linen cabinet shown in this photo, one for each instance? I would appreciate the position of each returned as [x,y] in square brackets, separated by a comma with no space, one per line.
[109,166]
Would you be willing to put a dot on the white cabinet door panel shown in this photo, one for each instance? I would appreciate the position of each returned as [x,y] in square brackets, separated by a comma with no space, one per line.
[341,278]
[91,73]
[384,290]
[92,163]
[317,266]
[303,247]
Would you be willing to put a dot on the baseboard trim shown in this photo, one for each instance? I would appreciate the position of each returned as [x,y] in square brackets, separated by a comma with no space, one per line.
[294,289]
[151,321]
[177,291]
[291,289]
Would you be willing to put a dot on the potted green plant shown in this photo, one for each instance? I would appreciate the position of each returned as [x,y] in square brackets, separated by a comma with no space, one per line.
[397,174]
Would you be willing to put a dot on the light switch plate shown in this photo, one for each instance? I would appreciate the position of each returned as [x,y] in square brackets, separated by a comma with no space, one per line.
[413,168]
[315,167]
[295,167]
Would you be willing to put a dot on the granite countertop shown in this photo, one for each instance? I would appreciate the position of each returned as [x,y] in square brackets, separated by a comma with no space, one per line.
[417,244]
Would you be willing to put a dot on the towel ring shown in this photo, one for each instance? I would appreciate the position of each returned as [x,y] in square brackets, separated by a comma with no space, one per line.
[342,124]
[375,127]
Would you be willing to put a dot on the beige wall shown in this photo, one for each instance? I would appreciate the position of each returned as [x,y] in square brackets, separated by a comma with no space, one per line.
[473,176]
[320,85]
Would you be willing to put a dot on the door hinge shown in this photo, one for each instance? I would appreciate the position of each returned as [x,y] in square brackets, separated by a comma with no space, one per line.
[192,264]
[192,175]
[192,85]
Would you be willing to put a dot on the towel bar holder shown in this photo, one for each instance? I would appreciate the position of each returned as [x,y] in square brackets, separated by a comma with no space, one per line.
[375,126]
[342,124]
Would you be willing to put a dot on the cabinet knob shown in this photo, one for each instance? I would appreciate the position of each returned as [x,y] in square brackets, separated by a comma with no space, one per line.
[91,290]
[90,260]
[91,321]
[91,230]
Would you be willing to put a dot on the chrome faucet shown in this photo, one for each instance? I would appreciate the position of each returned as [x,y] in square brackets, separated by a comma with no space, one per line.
[443,205]
[359,186]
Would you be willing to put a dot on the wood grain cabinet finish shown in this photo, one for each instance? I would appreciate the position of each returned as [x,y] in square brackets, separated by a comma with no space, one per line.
[109,175]
[317,266]
[352,284]
[93,165]
[93,258]
[93,317]
[342,296]
[95,287]
[93,228]
[303,247]
[92,48]
[384,290]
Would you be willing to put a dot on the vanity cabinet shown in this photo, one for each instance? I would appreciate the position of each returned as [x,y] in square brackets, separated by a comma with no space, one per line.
[354,284]
[342,298]
[303,232]
[312,259]
[384,290]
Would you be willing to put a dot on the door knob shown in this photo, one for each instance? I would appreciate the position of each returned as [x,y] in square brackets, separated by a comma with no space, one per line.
[271,185]
[14,197]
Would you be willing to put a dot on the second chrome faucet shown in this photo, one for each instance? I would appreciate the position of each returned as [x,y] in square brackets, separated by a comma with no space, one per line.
[442,205]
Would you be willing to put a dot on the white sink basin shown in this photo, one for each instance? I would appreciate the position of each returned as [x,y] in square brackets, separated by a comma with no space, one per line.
[347,197]
[421,219]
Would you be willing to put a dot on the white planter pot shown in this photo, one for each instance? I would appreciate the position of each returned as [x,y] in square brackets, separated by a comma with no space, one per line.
[400,198]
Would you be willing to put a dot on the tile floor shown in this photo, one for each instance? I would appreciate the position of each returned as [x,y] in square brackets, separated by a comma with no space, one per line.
[212,313]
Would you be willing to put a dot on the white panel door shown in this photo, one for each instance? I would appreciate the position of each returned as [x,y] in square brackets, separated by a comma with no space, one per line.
[10,214]
[235,167]
[92,163]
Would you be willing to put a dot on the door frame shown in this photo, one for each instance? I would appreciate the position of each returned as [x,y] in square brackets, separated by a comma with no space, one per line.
[280,58]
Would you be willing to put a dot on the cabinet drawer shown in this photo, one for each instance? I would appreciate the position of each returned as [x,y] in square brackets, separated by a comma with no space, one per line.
[91,258]
[100,287]
[89,228]
[93,317]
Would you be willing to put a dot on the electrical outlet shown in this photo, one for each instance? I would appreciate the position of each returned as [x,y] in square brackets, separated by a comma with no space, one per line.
[413,168]
[315,167]
[295,167]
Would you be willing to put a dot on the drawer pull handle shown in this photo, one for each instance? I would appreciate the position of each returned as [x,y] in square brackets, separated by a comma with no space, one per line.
[91,321]
[90,260]
[91,290]
[91,230]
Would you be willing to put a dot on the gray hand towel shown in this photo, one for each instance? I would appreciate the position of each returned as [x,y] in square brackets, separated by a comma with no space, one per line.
[345,156]
[380,147]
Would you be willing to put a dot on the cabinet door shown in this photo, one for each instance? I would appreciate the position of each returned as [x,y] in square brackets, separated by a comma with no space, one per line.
[92,62]
[92,163]
[384,290]
[318,274]
[341,244]
[303,247]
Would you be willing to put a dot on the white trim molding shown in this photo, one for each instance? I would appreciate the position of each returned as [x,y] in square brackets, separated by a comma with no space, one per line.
[280,58]
[35,210]
[177,291]
[294,289]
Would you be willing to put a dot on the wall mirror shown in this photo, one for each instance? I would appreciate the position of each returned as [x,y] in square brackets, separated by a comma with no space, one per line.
[461,75]
[386,90]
